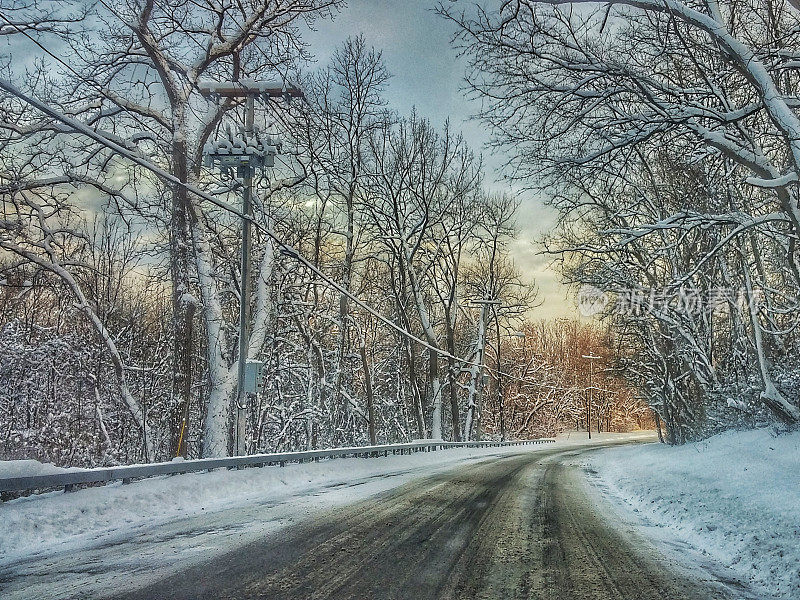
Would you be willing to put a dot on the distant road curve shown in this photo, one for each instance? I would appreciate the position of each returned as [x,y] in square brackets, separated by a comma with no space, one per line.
[518,526]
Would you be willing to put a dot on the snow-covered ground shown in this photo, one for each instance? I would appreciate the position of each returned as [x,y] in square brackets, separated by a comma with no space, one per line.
[84,543]
[56,521]
[734,497]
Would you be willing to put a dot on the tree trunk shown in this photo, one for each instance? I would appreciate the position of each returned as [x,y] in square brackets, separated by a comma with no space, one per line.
[780,407]
[183,303]
[658,426]
[453,389]
[475,374]
[373,439]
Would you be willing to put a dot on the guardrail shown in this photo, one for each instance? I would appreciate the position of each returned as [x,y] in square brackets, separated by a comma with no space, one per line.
[70,479]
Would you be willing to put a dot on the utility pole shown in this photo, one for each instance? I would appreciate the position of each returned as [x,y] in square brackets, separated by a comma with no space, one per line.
[500,396]
[246,155]
[592,358]
[244,287]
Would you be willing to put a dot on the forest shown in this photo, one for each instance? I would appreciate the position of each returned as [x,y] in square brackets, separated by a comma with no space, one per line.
[665,133]
[385,301]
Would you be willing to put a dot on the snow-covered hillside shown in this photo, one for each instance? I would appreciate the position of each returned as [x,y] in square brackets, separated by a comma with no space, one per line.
[735,496]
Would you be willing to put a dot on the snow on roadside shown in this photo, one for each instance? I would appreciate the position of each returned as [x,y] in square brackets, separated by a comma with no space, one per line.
[56,521]
[735,497]
[29,468]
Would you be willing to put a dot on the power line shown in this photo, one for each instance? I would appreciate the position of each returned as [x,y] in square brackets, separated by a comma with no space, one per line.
[222,204]
[219,203]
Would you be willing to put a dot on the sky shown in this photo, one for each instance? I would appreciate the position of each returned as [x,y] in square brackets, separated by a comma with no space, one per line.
[428,74]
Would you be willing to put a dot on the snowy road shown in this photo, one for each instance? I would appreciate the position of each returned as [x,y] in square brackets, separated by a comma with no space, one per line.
[522,525]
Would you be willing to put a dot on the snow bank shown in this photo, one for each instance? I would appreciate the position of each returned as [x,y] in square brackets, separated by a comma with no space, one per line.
[735,497]
[29,468]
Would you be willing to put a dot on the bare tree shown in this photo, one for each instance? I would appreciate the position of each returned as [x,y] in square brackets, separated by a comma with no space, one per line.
[594,120]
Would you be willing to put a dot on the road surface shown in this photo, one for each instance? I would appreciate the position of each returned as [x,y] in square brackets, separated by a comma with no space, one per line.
[516,526]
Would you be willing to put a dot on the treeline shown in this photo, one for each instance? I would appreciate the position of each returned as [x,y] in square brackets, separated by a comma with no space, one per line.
[546,384]
[665,136]
[120,292]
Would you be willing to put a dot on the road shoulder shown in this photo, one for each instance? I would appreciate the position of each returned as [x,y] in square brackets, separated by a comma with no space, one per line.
[659,544]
